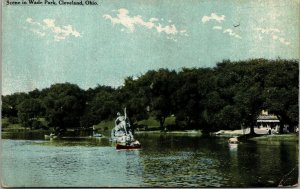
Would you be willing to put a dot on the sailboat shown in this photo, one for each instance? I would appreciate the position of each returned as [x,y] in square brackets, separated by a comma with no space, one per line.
[122,133]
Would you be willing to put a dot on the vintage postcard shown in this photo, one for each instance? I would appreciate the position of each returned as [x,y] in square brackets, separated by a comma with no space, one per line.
[150,93]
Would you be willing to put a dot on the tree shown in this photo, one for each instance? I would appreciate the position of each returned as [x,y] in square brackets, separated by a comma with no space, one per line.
[282,102]
[224,97]
[281,92]
[213,104]
[29,111]
[163,86]
[135,97]
[249,103]
[10,103]
[101,104]
[64,104]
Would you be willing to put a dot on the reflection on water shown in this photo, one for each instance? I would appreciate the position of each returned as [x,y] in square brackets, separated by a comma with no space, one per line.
[37,163]
[165,160]
[233,147]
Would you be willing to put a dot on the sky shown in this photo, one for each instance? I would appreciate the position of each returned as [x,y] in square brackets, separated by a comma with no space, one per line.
[104,44]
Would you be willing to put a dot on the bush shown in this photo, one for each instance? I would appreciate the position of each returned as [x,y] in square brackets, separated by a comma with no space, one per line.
[4,125]
[37,125]
[13,120]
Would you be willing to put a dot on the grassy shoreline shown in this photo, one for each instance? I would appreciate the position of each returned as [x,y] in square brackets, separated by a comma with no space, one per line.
[153,128]
[175,131]
[282,137]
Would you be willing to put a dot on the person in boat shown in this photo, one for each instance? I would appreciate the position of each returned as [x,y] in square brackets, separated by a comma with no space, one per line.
[94,130]
[128,130]
[120,128]
[233,140]
[119,119]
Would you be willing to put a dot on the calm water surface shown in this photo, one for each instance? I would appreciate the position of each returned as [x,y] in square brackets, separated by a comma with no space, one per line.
[169,160]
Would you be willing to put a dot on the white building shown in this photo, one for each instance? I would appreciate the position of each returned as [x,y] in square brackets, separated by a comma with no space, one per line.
[268,121]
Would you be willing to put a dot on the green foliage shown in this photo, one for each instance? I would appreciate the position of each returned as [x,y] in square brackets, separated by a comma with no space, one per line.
[28,112]
[101,104]
[227,96]
[4,123]
[64,104]
[105,125]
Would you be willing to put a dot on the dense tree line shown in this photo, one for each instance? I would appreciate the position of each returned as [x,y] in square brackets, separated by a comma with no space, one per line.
[228,96]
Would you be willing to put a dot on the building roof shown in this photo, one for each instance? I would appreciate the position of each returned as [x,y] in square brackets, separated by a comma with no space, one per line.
[268,118]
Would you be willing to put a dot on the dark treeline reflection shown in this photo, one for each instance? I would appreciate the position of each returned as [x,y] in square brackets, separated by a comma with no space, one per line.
[228,96]
[170,160]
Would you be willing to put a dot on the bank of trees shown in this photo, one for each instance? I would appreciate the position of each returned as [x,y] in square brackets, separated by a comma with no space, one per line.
[228,96]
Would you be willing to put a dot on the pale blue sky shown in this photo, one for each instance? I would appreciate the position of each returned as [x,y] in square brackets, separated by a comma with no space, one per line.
[91,45]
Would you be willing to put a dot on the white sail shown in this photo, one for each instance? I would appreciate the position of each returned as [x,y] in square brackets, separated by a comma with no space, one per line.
[122,132]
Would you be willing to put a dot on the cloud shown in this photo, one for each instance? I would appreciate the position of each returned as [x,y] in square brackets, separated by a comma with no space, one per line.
[217,27]
[228,31]
[267,30]
[131,22]
[30,21]
[232,33]
[284,41]
[153,19]
[274,37]
[273,33]
[213,16]
[48,27]
[167,29]
[219,19]
[41,34]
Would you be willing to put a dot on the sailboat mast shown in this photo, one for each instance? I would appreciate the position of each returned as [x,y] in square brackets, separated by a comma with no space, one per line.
[125,114]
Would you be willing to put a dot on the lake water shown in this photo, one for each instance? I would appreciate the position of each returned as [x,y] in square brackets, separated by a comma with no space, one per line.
[166,160]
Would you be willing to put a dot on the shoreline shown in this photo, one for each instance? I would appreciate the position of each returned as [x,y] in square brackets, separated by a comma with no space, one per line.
[240,132]
[290,137]
[221,133]
[173,132]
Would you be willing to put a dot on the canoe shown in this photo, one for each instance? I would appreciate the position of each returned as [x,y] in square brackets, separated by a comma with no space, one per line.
[128,147]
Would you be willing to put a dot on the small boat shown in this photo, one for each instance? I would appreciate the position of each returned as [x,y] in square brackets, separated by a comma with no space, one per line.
[128,147]
[51,136]
[233,140]
[97,135]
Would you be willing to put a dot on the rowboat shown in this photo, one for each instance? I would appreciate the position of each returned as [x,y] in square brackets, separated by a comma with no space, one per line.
[128,147]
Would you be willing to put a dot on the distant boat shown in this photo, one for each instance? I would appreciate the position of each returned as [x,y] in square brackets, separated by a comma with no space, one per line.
[97,135]
[51,136]
[233,140]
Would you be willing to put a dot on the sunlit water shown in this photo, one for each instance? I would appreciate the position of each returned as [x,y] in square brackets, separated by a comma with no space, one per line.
[165,160]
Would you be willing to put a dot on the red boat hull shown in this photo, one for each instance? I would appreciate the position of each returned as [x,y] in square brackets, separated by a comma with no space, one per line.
[128,147]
